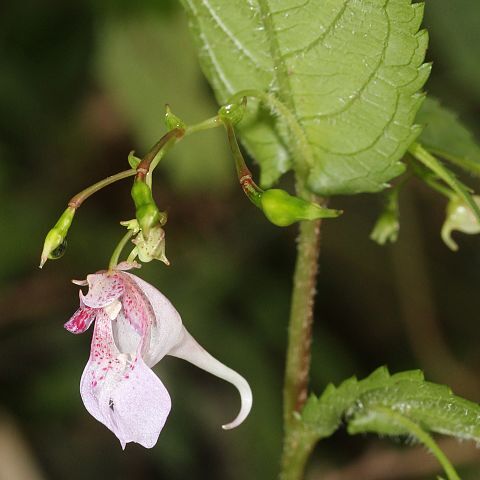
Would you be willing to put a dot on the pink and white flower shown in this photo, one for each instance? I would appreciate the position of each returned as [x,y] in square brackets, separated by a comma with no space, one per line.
[135,327]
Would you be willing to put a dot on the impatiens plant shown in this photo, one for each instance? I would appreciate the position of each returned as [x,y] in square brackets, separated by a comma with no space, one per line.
[331,91]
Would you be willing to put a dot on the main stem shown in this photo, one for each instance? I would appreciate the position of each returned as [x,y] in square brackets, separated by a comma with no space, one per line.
[297,444]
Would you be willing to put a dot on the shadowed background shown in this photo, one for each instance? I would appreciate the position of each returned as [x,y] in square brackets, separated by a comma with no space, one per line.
[82,85]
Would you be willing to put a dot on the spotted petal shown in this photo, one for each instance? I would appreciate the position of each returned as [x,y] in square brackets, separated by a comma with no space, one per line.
[103,289]
[81,319]
[121,392]
[136,307]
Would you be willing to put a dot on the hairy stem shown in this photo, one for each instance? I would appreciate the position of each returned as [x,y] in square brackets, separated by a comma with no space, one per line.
[423,437]
[301,316]
[297,444]
[297,447]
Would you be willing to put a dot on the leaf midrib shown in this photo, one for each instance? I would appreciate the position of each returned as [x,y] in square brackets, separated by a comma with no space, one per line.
[281,74]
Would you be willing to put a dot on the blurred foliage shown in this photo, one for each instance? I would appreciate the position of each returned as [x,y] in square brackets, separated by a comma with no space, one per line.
[82,84]
[142,62]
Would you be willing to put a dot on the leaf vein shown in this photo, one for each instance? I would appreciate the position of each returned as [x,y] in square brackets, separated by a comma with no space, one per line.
[233,39]
[322,36]
[357,95]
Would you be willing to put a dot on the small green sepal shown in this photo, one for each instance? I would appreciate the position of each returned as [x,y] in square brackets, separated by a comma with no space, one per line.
[133,161]
[233,112]
[283,209]
[172,121]
[459,216]
[55,241]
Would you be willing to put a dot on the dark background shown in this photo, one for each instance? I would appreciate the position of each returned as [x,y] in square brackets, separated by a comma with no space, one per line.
[82,85]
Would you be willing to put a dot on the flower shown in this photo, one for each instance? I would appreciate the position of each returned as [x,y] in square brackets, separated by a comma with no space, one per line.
[459,216]
[135,327]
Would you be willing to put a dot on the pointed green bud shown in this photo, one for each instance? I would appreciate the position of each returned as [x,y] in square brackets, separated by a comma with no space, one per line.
[172,121]
[133,161]
[147,213]
[233,112]
[55,241]
[386,228]
[459,216]
[152,248]
[283,209]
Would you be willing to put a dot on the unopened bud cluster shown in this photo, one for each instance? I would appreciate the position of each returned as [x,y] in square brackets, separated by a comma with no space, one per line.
[146,231]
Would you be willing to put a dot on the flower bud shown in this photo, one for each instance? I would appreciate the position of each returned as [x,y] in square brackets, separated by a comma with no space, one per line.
[55,242]
[459,216]
[386,228]
[147,212]
[233,112]
[283,209]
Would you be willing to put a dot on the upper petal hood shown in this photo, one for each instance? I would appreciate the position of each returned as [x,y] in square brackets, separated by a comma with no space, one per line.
[103,289]
[166,328]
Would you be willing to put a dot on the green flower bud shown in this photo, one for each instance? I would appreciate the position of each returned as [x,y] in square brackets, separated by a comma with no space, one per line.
[233,112]
[172,121]
[459,216]
[386,228]
[55,241]
[147,212]
[283,209]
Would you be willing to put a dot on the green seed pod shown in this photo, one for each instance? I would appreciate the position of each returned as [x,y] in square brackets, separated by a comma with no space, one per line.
[147,212]
[148,217]
[59,252]
[141,194]
[283,209]
[55,243]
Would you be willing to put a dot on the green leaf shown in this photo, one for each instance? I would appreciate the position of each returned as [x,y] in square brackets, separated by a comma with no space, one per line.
[348,73]
[445,136]
[433,407]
